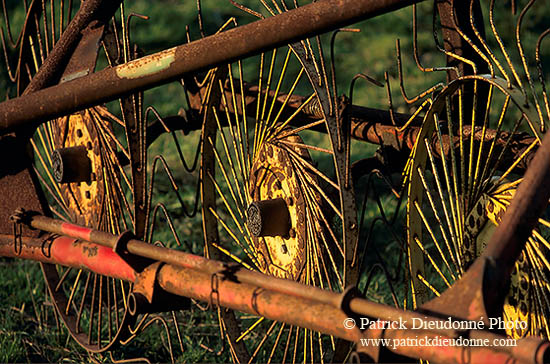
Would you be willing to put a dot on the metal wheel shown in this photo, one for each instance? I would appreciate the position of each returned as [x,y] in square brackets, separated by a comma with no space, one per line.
[466,168]
[273,189]
[79,162]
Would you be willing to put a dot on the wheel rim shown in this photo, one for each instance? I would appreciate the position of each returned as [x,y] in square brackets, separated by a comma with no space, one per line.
[259,159]
[467,194]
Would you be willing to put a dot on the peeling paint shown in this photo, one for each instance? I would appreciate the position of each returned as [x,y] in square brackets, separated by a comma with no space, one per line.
[147,65]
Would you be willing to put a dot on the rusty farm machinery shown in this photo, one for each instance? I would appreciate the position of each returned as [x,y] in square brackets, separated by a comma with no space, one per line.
[288,199]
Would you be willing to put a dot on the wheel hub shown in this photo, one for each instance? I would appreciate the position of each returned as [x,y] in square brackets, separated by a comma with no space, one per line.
[280,210]
[77,166]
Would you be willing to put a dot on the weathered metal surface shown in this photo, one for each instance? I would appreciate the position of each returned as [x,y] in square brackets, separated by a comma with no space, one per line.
[308,312]
[274,185]
[69,252]
[367,124]
[268,218]
[92,14]
[208,52]
[71,165]
[17,183]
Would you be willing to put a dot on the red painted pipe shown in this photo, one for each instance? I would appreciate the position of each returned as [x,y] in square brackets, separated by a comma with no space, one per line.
[68,252]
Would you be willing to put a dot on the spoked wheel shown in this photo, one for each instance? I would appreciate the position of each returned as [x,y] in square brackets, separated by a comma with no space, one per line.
[467,165]
[79,160]
[272,191]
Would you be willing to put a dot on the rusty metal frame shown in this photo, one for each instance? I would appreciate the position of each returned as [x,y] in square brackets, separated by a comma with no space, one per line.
[190,276]
[187,275]
[174,63]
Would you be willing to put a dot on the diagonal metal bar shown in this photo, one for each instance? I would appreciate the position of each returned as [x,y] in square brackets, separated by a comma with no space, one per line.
[174,63]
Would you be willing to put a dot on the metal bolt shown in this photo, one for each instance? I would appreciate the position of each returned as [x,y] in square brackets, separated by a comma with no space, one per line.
[284,249]
[292,233]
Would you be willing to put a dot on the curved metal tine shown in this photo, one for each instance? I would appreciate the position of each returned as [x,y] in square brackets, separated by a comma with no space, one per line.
[12,77]
[340,136]
[469,41]
[347,126]
[8,26]
[401,82]
[128,19]
[188,168]
[174,186]
[415,48]
[486,47]
[524,62]
[125,361]
[449,53]
[382,267]
[146,321]
[501,44]
[382,217]
[170,222]
[540,70]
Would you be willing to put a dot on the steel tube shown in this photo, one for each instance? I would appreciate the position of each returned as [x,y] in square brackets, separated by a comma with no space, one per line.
[174,63]
[285,287]
[68,252]
[254,300]
[310,313]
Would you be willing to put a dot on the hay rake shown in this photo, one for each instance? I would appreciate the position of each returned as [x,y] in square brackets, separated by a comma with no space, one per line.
[277,183]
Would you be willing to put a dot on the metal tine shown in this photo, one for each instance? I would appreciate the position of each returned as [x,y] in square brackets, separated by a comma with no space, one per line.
[158,318]
[382,267]
[502,47]
[125,361]
[449,53]
[186,166]
[199,18]
[45,23]
[381,218]
[112,61]
[174,186]
[13,78]
[247,10]
[540,71]
[333,104]
[128,19]
[469,41]
[524,61]
[484,44]
[401,82]
[346,132]
[279,10]
[8,25]
[415,49]
[169,220]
